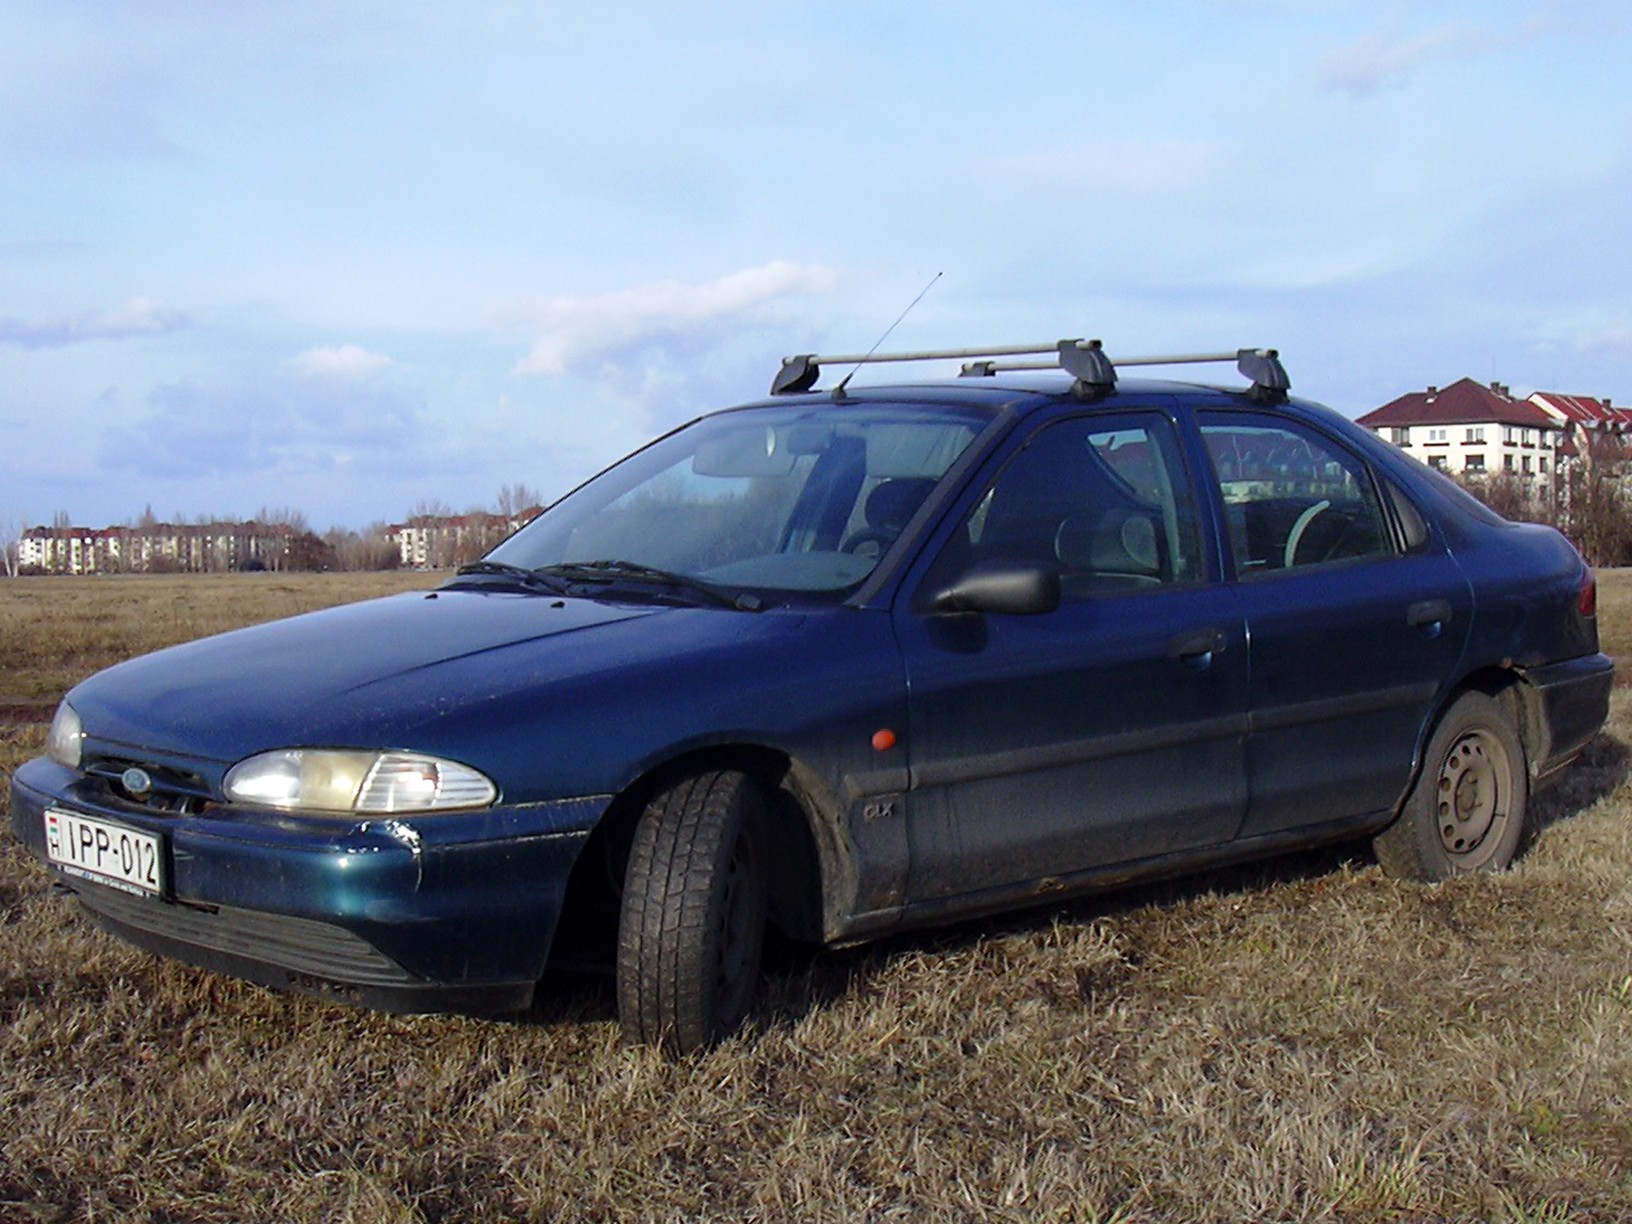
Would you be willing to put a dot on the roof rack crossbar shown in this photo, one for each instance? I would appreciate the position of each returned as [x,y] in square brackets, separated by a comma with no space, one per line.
[1013,350]
[977,369]
[1181,358]
[1083,358]
[1086,360]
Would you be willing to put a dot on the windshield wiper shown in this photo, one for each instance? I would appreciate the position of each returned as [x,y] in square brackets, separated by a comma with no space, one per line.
[532,580]
[633,571]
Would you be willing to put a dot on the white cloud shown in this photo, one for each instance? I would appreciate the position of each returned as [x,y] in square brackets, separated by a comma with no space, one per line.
[1613,337]
[267,427]
[1391,59]
[1304,269]
[574,329]
[1137,166]
[139,316]
[340,361]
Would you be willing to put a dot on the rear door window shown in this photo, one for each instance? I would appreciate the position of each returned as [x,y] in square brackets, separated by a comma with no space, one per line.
[1293,499]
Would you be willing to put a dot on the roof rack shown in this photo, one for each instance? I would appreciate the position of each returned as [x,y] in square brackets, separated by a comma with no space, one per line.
[1085,360]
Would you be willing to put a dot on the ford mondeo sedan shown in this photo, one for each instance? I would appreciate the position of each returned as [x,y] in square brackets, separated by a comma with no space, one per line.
[839,663]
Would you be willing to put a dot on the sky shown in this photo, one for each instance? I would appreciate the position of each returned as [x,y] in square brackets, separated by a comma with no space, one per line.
[356,257]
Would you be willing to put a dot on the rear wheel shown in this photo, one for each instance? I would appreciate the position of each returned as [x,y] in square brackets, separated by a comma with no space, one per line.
[1468,810]
[693,923]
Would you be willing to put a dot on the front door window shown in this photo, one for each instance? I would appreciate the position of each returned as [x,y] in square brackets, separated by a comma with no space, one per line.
[1106,502]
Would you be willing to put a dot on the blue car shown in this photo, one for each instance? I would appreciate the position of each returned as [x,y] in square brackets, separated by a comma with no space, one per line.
[839,663]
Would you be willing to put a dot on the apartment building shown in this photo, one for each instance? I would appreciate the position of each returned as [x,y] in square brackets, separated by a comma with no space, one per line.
[436,541]
[162,547]
[1473,428]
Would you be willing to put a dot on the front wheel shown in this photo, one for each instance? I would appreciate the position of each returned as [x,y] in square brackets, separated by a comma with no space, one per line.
[1468,810]
[693,922]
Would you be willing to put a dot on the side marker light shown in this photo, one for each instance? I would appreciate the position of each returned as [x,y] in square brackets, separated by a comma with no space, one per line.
[883,740]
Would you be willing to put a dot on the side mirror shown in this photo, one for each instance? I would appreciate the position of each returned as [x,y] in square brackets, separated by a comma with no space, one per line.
[1014,588]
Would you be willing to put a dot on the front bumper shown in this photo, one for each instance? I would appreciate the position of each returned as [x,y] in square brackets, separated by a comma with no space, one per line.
[1568,704]
[451,912]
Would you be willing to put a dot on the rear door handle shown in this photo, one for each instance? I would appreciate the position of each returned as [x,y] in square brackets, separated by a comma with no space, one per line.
[1428,612]
[1197,647]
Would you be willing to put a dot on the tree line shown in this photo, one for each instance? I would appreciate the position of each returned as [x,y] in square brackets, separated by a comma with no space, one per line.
[1589,502]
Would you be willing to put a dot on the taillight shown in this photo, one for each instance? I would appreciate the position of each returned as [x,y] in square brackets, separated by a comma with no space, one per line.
[1589,594]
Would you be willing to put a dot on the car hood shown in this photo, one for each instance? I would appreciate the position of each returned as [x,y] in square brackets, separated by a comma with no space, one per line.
[361,675]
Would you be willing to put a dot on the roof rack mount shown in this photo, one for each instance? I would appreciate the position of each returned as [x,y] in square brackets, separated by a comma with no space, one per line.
[1085,360]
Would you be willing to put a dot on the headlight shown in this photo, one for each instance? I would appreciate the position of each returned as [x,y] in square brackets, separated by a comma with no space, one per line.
[65,742]
[326,780]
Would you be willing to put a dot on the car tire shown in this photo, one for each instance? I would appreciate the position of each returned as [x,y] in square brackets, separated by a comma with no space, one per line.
[692,927]
[1468,810]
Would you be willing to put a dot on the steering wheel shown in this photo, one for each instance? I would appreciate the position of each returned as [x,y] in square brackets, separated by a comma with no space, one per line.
[867,535]
[1298,528]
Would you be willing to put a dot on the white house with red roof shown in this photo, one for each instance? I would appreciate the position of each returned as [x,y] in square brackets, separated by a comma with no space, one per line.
[1472,428]
[1589,424]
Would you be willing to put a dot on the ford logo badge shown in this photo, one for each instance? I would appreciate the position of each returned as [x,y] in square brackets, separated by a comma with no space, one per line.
[136,782]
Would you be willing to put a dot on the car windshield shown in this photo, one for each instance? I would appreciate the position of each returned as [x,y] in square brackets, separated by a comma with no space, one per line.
[797,498]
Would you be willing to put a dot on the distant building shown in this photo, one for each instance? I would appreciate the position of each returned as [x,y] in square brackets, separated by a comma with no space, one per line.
[157,547]
[1584,413]
[1594,429]
[438,541]
[424,541]
[66,550]
[1474,429]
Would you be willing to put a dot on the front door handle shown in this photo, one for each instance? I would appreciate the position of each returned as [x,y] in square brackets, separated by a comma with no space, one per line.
[1196,648]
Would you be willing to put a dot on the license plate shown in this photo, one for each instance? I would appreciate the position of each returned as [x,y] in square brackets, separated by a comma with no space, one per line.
[104,852]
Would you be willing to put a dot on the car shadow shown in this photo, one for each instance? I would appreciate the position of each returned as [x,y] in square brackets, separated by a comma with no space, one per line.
[801,979]
[577,995]
[804,979]
[1602,768]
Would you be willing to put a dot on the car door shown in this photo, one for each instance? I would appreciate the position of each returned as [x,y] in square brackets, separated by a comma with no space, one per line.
[1107,730]
[1355,626]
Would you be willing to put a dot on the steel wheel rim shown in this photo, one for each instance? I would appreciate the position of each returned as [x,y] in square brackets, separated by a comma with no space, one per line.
[1473,795]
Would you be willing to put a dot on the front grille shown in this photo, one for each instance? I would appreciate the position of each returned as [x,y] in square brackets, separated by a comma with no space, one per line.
[301,945]
[174,791]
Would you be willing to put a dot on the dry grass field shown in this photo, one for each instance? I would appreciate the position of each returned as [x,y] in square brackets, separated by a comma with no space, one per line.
[1301,1040]
[56,631]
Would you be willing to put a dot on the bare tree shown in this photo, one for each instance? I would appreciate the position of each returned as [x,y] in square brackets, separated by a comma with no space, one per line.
[1587,499]
[1599,518]
[517,500]
[428,508]
[286,516]
[11,544]
[369,549]
[1510,497]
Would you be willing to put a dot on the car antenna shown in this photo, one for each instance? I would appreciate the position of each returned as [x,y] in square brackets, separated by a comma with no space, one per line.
[838,391]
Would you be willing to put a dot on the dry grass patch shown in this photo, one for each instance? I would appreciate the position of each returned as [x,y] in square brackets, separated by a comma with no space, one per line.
[1299,1040]
[56,631]
[1615,624]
